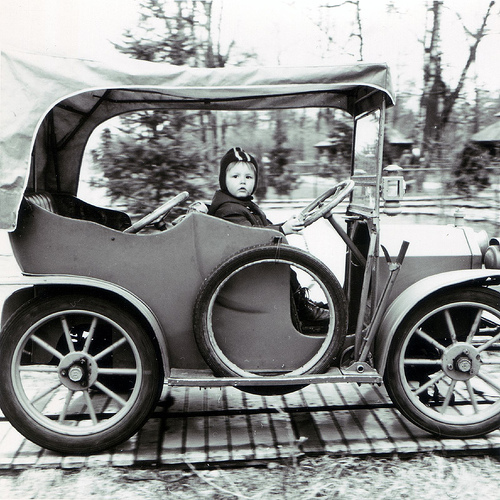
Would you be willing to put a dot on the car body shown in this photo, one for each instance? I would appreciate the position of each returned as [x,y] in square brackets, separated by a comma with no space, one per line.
[103,316]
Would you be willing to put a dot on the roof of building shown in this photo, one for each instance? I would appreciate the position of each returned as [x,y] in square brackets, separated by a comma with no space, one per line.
[488,134]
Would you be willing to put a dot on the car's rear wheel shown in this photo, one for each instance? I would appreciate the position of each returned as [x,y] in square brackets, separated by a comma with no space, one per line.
[443,370]
[79,375]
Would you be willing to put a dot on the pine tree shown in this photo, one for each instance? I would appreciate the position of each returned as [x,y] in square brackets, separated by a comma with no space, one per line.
[280,176]
[157,154]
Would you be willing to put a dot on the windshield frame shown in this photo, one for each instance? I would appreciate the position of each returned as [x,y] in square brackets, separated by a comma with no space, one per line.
[365,198]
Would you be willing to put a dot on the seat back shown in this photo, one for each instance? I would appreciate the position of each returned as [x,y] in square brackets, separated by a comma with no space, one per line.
[42,199]
[70,206]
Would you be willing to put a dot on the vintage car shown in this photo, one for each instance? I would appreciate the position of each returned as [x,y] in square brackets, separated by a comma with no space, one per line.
[104,315]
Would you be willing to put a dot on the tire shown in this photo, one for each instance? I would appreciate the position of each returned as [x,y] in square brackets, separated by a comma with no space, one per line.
[61,358]
[330,341]
[443,370]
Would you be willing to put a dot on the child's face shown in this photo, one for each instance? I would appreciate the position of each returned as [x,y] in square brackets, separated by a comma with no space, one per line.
[240,180]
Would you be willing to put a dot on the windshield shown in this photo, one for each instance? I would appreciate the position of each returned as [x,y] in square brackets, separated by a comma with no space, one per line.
[366,163]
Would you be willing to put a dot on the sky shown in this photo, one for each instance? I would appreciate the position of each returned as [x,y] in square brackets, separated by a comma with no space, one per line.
[279,31]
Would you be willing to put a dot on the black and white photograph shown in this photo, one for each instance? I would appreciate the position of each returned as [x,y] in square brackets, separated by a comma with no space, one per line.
[249,249]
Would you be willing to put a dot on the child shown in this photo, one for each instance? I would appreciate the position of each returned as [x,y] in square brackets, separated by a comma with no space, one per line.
[238,179]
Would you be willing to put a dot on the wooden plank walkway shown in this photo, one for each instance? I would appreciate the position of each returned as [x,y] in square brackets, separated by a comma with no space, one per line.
[216,426]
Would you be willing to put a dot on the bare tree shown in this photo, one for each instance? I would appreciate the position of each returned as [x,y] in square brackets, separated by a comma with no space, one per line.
[438,99]
[357,32]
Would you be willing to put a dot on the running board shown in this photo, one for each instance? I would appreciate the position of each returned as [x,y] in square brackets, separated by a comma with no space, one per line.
[360,373]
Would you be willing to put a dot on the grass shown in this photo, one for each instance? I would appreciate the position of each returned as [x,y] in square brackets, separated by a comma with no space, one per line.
[419,477]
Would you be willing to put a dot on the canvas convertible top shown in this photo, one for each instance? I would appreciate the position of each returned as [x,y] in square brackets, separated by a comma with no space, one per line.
[51,104]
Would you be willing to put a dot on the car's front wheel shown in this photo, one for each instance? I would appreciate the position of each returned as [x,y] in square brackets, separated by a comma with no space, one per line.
[443,370]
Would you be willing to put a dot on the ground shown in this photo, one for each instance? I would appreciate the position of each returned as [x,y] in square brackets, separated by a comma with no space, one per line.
[346,478]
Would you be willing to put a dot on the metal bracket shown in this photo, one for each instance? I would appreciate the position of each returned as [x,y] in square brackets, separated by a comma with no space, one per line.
[394,268]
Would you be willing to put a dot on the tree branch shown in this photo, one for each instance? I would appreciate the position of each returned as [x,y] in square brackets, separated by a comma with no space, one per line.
[346,2]
[449,100]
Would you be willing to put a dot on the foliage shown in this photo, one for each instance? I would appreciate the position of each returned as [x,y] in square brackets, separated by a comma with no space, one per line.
[471,173]
[340,138]
[158,154]
[165,33]
[175,151]
[149,169]
[186,32]
[281,178]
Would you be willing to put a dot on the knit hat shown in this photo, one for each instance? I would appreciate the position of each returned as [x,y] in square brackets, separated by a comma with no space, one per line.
[233,155]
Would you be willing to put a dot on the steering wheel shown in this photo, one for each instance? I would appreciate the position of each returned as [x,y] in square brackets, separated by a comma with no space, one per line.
[324,203]
[161,211]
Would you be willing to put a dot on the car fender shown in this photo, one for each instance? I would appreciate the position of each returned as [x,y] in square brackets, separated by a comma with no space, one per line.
[399,308]
[9,285]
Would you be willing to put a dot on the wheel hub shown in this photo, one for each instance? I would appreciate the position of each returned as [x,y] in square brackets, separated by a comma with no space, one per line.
[77,371]
[461,361]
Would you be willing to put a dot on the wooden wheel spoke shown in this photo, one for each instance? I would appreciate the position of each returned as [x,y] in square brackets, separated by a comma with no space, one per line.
[119,371]
[485,378]
[451,327]
[67,334]
[90,335]
[429,339]
[429,383]
[110,393]
[490,362]
[47,347]
[472,394]
[475,326]
[110,349]
[67,401]
[38,368]
[489,343]
[45,393]
[90,406]
[422,361]
[448,396]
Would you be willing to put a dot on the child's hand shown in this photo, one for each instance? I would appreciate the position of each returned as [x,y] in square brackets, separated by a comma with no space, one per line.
[293,225]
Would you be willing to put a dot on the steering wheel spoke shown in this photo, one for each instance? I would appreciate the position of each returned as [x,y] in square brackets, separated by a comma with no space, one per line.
[161,211]
[324,203]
